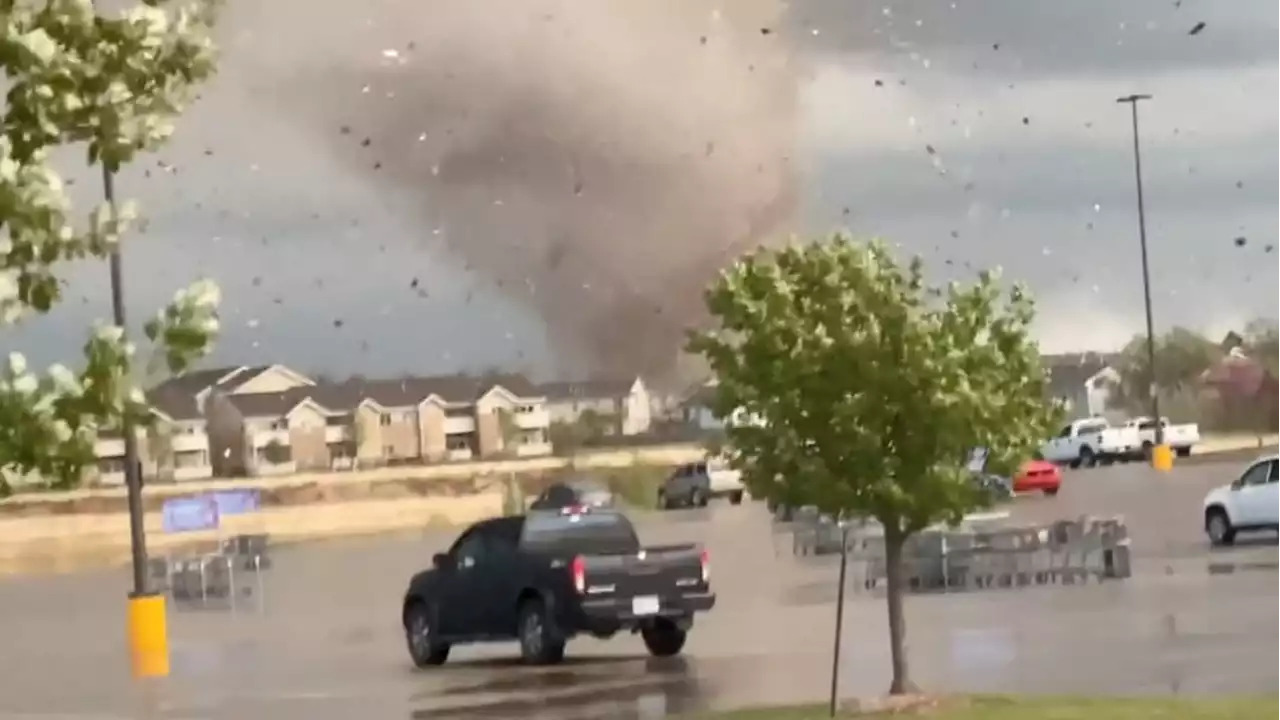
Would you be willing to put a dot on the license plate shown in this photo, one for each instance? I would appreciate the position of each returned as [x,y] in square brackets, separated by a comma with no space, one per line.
[645,605]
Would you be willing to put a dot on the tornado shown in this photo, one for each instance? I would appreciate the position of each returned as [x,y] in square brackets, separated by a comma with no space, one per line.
[598,161]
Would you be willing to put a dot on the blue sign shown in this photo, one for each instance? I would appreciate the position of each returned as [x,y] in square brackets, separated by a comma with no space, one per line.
[237,502]
[190,514]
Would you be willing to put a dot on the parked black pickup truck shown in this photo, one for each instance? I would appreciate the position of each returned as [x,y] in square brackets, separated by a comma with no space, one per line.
[547,576]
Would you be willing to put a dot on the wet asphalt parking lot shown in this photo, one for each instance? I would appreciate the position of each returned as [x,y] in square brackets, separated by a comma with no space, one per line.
[326,643]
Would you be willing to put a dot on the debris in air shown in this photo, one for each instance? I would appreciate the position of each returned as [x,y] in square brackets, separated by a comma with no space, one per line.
[766,31]
[1026,120]
[1195,29]
[1241,241]
[879,83]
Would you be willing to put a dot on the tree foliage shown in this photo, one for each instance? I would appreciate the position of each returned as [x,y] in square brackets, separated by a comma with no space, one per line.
[113,84]
[1182,357]
[862,390]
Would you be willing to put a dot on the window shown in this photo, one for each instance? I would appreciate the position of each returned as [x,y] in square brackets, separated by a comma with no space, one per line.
[281,424]
[469,548]
[1258,474]
[1065,432]
[384,419]
[388,450]
[1273,471]
[602,531]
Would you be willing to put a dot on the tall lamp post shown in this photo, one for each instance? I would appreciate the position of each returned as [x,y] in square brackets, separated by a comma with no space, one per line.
[147,627]
[1161,457]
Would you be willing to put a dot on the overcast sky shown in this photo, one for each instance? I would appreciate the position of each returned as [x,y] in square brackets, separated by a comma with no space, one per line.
[977,131]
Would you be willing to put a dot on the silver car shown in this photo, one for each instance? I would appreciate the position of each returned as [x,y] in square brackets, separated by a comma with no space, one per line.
[586,492]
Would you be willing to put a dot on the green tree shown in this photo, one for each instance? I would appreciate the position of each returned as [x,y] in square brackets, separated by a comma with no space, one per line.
[866,389]
[509,430]
[1262,343]
[112,83]
[1181,356]
[160,449]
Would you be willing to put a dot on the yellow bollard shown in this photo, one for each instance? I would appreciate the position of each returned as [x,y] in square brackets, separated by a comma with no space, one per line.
[148,636]
[1162,458]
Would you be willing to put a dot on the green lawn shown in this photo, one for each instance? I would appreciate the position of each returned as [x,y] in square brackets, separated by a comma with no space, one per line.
[1047,708]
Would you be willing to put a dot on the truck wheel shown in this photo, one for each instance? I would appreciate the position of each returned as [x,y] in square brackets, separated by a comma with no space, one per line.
[1087,458]
[539,643]
[1146,450]
[698,498]
[663,638]
[663,502]
[736,498]
[419,632]
[1218,527]
[1183,451]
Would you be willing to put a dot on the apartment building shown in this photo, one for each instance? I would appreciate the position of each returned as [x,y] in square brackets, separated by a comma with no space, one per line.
[624,406]
[372,423]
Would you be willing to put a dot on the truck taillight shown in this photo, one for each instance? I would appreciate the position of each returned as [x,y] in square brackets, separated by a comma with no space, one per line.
[578,570]
[705,560]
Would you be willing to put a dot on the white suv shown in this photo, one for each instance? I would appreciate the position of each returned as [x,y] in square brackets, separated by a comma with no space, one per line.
[692,485]
[1249,503]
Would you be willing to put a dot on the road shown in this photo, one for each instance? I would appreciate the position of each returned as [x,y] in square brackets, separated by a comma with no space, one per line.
[325,642]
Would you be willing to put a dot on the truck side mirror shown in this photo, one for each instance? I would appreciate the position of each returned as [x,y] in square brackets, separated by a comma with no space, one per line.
[442,561]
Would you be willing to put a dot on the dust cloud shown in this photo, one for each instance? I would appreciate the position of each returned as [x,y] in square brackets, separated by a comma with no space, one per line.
[596,161]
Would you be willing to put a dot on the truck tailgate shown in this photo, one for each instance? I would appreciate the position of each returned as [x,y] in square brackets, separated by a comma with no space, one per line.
[663,571]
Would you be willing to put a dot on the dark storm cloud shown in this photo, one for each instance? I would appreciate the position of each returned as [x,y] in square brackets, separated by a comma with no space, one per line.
[1199,181]
[1037,38]
[302,224]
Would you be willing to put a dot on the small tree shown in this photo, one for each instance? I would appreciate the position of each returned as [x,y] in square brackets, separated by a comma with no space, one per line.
[112,83]
[868,389]
[509,430]
[160,448]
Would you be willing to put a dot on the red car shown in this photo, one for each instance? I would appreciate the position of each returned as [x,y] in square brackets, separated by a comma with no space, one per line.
[1038,476]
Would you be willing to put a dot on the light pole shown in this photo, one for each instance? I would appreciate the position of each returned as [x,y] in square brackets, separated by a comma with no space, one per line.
[1160,457]
[147,627]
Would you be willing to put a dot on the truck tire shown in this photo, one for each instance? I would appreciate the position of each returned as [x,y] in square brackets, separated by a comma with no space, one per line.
[1183,451]
[698,498]
[663,638]
[736,498]
[1217,525]
[419,633]
[540,644]
[1087,457]
[663,502]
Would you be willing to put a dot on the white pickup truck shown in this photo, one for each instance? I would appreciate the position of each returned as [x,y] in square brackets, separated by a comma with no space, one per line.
[1179,437]
[1091,441]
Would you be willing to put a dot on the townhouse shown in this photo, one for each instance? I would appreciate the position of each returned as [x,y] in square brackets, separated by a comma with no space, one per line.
[269,420]
[373,423]
[622,407]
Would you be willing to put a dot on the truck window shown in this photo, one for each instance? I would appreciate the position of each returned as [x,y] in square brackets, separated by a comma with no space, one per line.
[603,532]
[1091,428]
[1065,432]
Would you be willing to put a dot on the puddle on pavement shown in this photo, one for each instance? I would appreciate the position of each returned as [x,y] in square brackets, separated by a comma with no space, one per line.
[640,689]
[1228,568]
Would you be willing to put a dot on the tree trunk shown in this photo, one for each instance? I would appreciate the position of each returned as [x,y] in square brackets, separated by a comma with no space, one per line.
[894,540]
